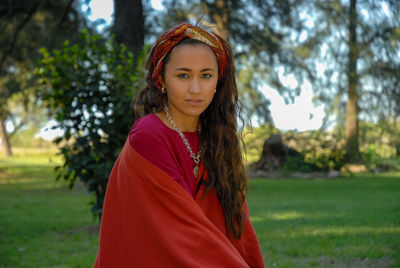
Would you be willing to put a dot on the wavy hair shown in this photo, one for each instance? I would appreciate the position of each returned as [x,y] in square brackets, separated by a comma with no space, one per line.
[219,139]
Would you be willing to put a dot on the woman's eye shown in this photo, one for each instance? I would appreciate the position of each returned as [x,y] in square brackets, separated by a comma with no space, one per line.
[183,76]
[206,75]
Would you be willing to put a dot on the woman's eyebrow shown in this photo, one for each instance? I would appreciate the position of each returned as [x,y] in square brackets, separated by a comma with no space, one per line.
[208,70]
[189,70]
[183,69]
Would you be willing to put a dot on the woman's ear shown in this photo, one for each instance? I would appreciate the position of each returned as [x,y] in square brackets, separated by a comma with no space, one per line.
[162,81]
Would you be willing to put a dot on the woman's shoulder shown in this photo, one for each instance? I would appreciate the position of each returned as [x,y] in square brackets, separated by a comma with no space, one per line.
[147,129]
[147,123]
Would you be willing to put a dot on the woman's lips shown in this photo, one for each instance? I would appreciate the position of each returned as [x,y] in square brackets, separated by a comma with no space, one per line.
[194,101]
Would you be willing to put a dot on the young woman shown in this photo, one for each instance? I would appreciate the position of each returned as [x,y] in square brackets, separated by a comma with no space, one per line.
[177,193]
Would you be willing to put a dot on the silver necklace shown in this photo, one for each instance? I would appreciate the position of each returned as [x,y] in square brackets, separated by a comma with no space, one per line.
[196,158]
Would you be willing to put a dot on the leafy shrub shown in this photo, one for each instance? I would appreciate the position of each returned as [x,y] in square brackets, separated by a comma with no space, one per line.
[371,156]
[297,164]
[322,151]
[89,87]
[375,162]
[326,159]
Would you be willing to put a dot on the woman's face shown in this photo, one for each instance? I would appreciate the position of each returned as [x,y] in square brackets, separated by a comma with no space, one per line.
[190,79]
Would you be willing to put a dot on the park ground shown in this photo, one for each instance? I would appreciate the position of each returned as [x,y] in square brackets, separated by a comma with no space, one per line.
[350,221]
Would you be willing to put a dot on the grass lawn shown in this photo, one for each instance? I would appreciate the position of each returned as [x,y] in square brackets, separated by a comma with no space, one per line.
[42,222]
[352,221]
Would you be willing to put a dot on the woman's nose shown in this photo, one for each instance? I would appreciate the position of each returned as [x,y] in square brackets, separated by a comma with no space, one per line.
[195,86]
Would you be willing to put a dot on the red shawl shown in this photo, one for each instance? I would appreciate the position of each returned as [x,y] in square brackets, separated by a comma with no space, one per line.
[149,220]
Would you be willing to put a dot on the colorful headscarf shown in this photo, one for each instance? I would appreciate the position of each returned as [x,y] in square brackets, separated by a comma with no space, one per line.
[168,40]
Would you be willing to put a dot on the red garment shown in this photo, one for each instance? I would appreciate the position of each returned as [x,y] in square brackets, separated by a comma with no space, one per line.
[149,220]
[163,147]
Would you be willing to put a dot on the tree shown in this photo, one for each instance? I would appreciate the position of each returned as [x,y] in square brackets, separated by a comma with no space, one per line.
[27,26]
[352,95]
[352,50]
[128,25]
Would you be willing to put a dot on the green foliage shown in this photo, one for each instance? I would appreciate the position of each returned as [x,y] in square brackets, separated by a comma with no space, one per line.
[26,26]
[297,164]
[320,150]
[372,89]
[89,86]
[380,138]
[326,159]
[371,156]
[374,161]
[323,151]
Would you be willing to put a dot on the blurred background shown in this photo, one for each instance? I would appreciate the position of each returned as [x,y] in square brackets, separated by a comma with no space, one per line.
[319,81]
[327,68]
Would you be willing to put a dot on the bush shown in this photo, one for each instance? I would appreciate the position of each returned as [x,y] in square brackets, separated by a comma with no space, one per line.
[89,87]
[322,151]
[326,159]
[297,164]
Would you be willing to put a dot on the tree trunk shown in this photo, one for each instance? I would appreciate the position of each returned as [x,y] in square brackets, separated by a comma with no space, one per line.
[129,24]
[5,143]
[353,154]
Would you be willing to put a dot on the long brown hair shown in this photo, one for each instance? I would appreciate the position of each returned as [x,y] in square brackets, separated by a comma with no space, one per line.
[219,139]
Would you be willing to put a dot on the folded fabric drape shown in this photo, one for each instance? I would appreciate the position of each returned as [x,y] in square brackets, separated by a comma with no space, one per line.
[149,220]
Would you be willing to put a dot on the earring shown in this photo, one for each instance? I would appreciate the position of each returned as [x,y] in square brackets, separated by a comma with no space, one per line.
[163,90]
[215,91]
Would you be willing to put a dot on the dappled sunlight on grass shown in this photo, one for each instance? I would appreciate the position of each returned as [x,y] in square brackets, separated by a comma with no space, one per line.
[349,230]
[280,216]
[254,219]
[29,172]
[42,159]
[391,174]
[337,230]
[286,215]
[32,178]
[15,180]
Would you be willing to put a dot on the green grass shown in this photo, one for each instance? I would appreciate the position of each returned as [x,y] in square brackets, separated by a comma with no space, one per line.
[347,222]
[42,223]
[352,221]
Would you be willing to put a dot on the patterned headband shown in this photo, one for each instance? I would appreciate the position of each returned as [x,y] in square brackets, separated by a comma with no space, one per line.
[168,40]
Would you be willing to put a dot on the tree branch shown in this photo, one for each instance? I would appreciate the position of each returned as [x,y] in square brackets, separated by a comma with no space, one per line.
[65,13]
[16,128]
[18,29]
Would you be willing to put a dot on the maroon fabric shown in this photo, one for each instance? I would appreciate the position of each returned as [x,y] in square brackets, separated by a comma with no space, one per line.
[164,148]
